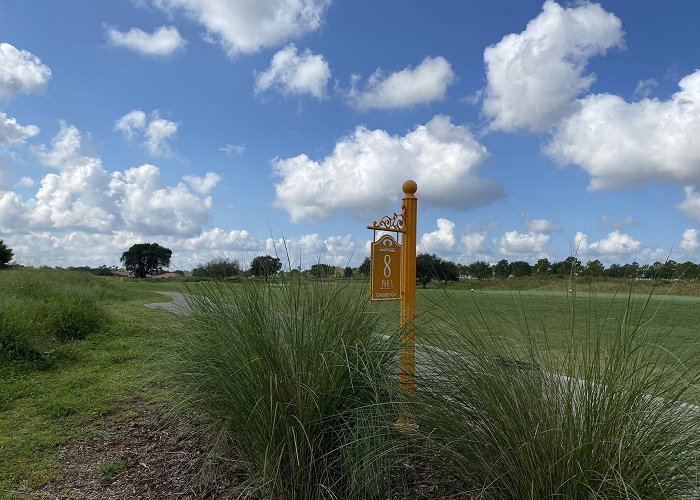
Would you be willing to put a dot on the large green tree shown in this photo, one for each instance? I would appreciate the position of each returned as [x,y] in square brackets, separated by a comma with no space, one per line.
[265,265]
[5,254]
[143,259]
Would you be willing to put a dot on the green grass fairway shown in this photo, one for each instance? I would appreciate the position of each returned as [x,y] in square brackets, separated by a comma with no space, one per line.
[677,318]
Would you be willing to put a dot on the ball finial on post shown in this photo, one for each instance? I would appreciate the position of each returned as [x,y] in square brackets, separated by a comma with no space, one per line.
[409,187]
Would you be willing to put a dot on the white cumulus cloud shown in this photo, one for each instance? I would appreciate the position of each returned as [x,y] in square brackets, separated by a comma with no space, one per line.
[615,244]
[623,144]
[293,73]
[365,172]
[131,123]
[533,77]
[25,182]
[690,243]
[146,206]
[14,134]
[162,42]
[156,131]
[691,204]
[473,243]
[203,185]
[247,26]
[542,226]
[21,71]
[425,83]
[441,240]
[83,196]
[524,244]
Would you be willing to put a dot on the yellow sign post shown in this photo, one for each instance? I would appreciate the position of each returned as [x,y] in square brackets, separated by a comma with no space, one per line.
[404,224]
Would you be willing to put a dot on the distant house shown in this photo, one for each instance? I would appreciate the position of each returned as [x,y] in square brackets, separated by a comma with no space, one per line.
[166,276]
[123,274]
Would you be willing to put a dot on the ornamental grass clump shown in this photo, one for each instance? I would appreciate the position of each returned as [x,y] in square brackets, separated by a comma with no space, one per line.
[605,416]
[297,378]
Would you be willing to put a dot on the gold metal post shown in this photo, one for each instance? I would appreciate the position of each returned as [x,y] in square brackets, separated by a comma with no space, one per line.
[407,356]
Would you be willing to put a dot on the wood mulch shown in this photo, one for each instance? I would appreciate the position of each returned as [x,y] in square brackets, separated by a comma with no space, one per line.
[153,454]
[150,455]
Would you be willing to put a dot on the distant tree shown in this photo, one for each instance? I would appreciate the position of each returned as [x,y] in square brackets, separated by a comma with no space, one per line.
[5,254]
[347,273]
[365,266]
[688,270]
[462,269]
[615,271]
[218,268]
[101,271]
[448,271]
[653,270]
[631,271]
[542,267]
[569,266]
[521,268]
[428,266]
[480,270]
[146,258]
[321,271]
[502,269]
[669,270]
[265,265]
[594,268]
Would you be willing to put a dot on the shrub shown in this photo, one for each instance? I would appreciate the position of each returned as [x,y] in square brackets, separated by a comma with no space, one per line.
[603,418]
[218,269]
[297,379]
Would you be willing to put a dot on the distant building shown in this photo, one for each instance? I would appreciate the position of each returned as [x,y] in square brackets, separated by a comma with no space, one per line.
[166,276]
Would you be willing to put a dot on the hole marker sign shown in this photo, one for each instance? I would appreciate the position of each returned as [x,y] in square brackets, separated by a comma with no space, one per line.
[385,282]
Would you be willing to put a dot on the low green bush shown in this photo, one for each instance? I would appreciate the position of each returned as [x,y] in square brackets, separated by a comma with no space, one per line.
[605,417]
[295,377]
[41,308]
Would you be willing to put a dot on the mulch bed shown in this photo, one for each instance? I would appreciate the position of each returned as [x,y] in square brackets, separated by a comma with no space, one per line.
[148,456]
[154,455]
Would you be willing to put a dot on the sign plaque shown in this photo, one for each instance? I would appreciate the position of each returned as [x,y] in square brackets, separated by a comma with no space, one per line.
[386,269]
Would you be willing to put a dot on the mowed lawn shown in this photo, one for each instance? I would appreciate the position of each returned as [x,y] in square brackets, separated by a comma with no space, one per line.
[668,323]
[46,405]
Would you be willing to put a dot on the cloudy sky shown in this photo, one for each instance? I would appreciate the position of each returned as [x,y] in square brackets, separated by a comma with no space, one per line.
[225,127]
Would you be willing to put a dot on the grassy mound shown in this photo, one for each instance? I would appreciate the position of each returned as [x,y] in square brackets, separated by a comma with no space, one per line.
[41,308]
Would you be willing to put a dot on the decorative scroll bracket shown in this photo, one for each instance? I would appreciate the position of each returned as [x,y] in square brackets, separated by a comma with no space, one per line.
[395,223]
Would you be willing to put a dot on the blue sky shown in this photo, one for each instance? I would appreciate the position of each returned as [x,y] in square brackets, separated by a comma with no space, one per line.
[217,128]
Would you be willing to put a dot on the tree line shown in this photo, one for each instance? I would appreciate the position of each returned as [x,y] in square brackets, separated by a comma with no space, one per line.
[147,259]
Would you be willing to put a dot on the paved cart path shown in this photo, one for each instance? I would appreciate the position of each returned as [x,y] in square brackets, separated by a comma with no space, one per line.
[178,304]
